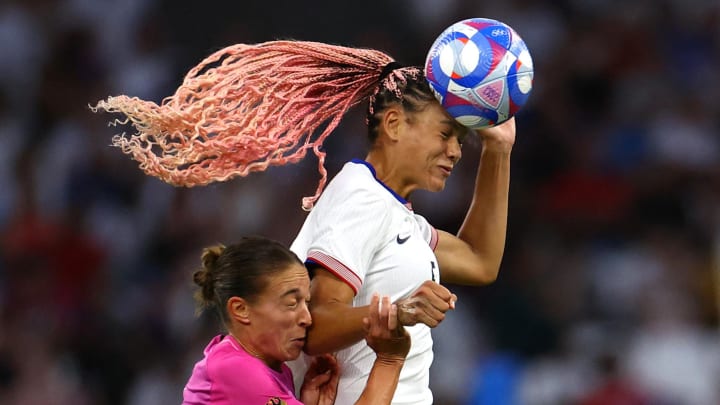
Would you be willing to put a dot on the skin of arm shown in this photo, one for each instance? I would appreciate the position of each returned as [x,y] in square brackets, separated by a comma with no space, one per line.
[391,343]
[337,324]
[473,256]
[382,382]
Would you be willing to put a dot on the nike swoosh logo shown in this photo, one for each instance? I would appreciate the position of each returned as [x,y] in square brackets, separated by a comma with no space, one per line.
[400,240]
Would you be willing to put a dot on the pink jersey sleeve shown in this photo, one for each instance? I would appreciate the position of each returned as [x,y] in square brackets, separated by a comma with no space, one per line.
[249,384]
[228,375]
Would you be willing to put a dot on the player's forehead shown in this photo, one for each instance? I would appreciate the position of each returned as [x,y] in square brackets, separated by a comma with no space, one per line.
[434,114]
[291,280]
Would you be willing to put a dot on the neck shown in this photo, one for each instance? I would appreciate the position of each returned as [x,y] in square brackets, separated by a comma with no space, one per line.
[389,173]
[273,364]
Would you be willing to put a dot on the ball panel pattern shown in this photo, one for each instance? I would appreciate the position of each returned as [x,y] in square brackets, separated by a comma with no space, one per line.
[481,72]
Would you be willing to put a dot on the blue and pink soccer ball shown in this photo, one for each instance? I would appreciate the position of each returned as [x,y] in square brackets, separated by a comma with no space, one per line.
[480,71]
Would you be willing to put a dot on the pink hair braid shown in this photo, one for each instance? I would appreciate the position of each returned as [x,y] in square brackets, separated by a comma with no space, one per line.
[245,108]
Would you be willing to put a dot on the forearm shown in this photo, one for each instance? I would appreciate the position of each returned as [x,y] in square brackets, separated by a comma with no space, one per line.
[335,326]
[382,382]
[485,224]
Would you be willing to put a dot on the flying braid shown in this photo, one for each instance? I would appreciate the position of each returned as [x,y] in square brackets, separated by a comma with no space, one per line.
[247,107]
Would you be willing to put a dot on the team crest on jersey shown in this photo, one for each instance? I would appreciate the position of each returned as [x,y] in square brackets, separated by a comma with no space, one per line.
[275,401]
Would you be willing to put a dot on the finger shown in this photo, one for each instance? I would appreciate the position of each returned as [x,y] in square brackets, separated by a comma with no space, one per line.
[392,317]
[433,302]
[334,366]
[329,362]
[326,362]
[441,291]
[422,310]
[453,300]
[319,381]
[312,369]
[430,316]
[374,310]
[428,320]
[433,289]
[384,312]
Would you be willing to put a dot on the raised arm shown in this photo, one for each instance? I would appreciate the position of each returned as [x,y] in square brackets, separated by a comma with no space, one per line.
[473,256]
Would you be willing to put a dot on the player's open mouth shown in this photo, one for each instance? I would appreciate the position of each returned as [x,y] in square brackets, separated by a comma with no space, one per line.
[447,170]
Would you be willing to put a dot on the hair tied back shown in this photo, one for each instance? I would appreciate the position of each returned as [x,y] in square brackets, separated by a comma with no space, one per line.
[387,69]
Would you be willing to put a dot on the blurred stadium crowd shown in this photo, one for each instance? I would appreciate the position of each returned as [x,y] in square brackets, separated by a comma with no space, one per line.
[608,293]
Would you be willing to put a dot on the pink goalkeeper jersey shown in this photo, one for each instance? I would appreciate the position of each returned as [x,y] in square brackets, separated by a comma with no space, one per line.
[229,375]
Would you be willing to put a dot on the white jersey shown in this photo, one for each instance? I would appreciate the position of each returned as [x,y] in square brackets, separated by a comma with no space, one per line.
[369,237]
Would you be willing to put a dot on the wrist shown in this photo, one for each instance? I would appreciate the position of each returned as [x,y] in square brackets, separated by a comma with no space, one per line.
[390,359]
[404,313]
[309,396]
[496,146]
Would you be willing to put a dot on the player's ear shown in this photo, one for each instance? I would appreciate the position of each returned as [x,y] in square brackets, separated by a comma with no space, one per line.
[392,121]
[238,309]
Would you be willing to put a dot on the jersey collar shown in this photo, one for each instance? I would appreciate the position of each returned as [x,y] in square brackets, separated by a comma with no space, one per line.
[372,170]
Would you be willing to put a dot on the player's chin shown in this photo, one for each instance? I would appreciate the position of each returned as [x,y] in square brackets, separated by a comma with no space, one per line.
[293,351]
[437,184]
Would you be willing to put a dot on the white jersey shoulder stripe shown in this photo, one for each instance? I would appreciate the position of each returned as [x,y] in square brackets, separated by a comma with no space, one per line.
[337,268]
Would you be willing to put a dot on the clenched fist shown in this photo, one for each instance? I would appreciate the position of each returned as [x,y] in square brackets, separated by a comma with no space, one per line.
[427,305]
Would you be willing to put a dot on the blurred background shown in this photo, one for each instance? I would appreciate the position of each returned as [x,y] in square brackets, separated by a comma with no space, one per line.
[609,289]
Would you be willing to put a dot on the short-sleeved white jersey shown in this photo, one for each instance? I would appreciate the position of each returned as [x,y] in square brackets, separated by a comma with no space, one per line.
[369,237]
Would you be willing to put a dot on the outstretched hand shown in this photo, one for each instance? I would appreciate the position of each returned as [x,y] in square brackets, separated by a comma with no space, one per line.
[427,305]
[500,137]
[383,333]
[321,381]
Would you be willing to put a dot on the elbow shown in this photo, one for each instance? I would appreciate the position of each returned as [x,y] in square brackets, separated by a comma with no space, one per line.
[489,271]
[489,278]
[486,274]
[475,274]
[486,278]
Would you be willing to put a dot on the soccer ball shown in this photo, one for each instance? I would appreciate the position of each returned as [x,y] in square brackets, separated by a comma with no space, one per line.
[480,71]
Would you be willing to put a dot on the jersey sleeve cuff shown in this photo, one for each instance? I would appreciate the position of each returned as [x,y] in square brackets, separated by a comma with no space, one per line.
[335,267]
[433,238]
